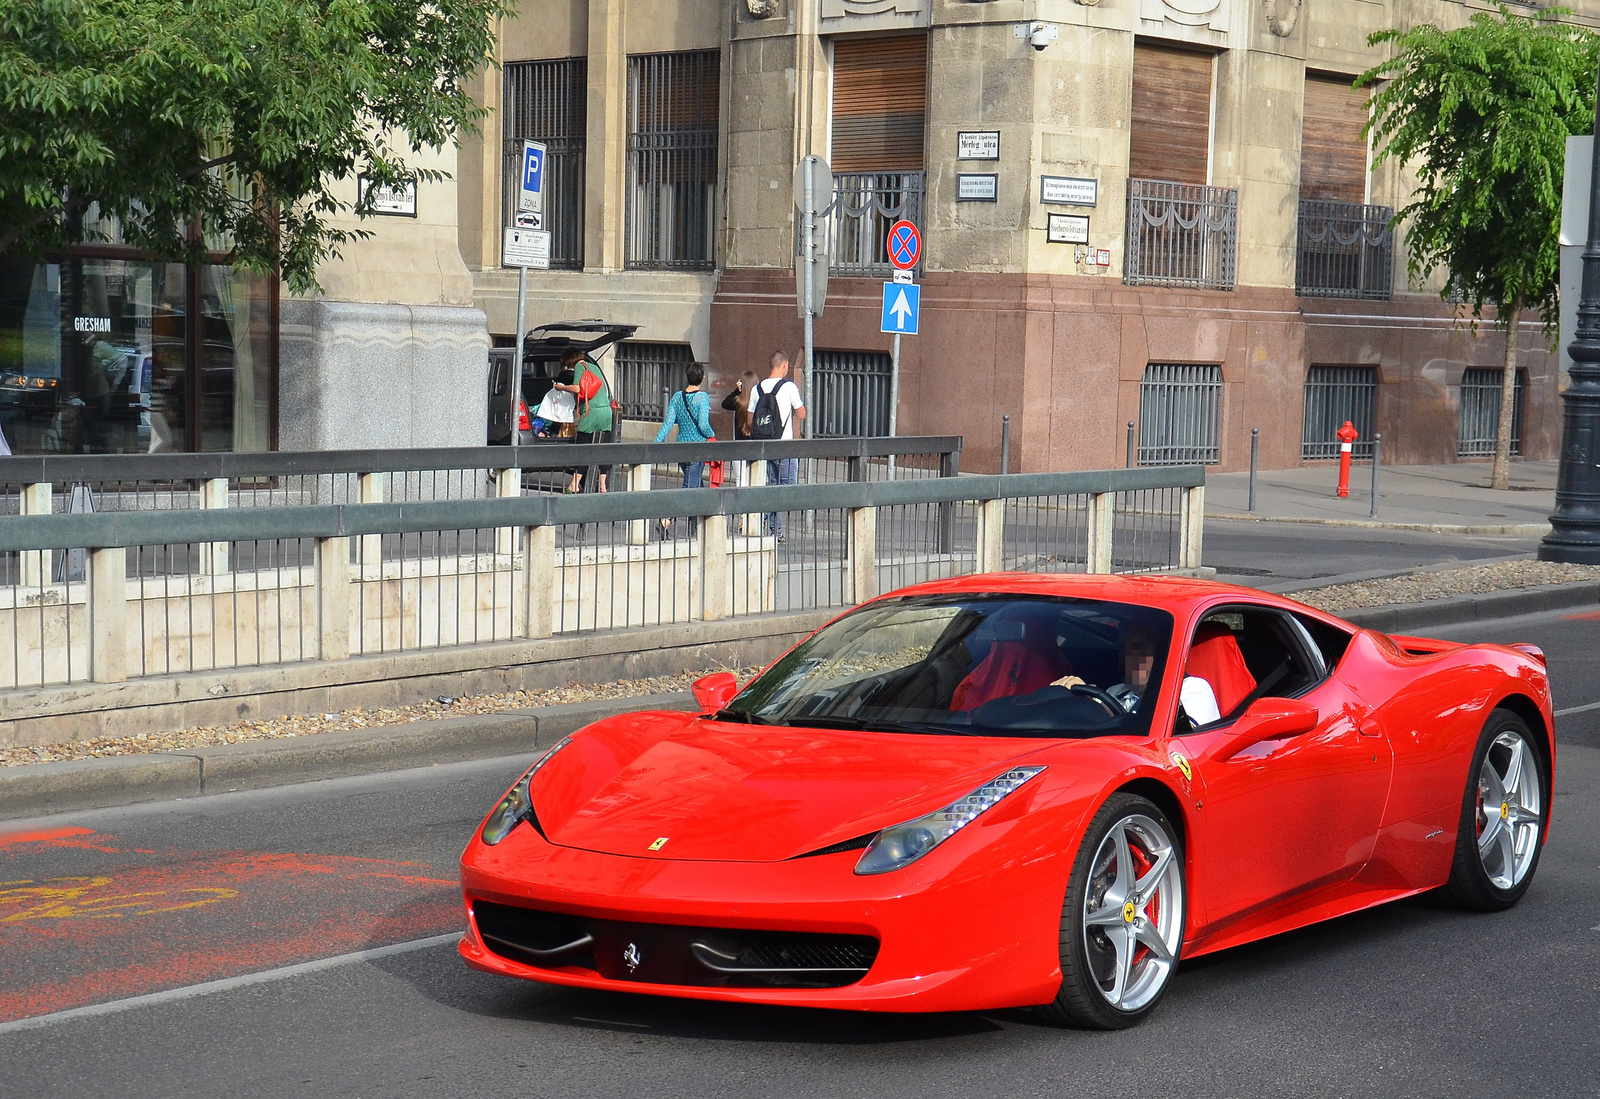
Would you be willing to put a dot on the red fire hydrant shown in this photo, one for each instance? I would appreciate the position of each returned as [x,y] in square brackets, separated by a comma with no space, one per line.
[1346,436]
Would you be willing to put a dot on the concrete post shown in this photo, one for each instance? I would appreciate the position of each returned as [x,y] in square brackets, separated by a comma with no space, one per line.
[1102,520]
[539,563]
[507,484]
[639,480]
[333,598]
[34,565]
[214,555]
[991,535]
[1191,527]
[715,567]
[108,614]
[372,492]
[863,551]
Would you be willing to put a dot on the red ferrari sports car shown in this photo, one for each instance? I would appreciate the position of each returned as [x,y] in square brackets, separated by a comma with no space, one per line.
[1013,790]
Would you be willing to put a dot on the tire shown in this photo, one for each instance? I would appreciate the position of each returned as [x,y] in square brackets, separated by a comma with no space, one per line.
[1105,985]
[1498,845]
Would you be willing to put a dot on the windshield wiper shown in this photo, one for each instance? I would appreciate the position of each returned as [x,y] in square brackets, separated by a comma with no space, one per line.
[743,717]
[867,724]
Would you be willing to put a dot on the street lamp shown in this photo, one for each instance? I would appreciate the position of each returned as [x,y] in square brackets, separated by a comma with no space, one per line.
[1575,525]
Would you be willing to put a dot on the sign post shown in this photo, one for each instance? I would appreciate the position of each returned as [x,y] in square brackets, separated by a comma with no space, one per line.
[813,194]
[902,300]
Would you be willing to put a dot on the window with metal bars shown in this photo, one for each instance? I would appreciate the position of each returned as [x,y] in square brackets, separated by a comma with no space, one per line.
[1480,413]
[851,392]
[1180,414]
[647,374]
[672,159]
[1335,394]
[547,101]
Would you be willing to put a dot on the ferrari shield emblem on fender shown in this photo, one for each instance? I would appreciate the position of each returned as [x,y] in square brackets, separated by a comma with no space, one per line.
[1181,762]
[632,956]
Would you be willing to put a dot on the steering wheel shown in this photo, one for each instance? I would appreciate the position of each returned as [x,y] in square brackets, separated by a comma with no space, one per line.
[1089,690]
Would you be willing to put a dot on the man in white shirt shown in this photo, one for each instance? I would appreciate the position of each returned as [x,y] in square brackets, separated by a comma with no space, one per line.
[791,410]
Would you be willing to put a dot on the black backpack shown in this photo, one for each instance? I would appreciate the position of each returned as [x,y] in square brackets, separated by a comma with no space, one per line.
[765,423]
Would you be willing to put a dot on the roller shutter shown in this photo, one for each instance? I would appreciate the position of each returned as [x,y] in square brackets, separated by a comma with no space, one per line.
[880,103]
[1333,154]
[1171,125]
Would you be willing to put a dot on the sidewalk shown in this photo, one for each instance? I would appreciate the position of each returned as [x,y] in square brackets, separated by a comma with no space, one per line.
[1448,498]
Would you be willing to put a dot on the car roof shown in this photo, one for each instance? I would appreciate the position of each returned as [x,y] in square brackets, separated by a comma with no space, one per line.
[548,341]
[1171,593]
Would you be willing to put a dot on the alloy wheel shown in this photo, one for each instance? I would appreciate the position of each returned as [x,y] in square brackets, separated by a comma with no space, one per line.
[1133,912]
[1509,810]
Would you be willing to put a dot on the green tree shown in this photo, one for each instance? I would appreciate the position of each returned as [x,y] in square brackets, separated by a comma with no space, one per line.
[1483,113]
[234,115]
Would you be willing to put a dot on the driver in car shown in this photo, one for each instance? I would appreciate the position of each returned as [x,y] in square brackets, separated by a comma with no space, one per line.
[1140,648]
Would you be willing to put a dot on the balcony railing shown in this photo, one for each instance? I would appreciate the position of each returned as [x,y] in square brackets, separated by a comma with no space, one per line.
[1181,234]
[1344,250]
[855,225]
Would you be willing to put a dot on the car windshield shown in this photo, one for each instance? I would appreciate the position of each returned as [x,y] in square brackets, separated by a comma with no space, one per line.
[981,665]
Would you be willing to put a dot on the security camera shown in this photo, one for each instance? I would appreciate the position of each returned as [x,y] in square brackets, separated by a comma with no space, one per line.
[1038,34]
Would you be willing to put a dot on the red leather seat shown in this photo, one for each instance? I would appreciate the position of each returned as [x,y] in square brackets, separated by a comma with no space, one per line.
[1215,658]
[1010,668]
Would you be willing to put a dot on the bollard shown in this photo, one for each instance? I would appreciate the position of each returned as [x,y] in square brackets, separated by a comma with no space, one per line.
[1005,444]
[1129,461]
[1346,436]
[1377,442]
[1255,451]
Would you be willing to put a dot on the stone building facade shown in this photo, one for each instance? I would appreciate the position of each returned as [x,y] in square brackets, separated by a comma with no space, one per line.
[1151,211]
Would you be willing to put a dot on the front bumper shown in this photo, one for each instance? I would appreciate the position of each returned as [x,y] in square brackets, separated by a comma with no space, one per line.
[959,930]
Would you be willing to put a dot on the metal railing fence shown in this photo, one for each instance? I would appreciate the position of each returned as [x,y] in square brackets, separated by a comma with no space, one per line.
[855,225]
[1335,394]
[1344,250]
[1479,421]
[1181,234]
[199,588]
[646,370]
[1180,414]
[851,393]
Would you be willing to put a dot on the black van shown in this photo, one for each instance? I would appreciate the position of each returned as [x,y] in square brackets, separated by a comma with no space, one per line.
[542,349]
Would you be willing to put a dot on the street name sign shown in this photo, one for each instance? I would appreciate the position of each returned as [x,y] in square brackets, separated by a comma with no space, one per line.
[530,198]
[901,305]
[525,248]
[978,145]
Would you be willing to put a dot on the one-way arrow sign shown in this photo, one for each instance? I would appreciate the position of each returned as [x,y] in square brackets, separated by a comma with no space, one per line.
[901,305]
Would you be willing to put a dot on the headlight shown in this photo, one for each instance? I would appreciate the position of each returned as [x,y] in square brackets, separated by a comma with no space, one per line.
[517,805]
[906,843]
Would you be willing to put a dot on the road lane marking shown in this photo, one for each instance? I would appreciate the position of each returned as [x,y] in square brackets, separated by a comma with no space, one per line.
[227,984]
[1578,709]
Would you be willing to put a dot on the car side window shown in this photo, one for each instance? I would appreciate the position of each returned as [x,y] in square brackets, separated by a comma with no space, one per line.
[1242,653]
[1330,641]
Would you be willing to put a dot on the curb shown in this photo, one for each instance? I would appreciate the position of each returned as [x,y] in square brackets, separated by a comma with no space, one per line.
[35,789]
[1525,529]
[1405,617]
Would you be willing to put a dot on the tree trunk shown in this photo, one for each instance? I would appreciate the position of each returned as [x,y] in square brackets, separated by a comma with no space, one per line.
[1501,478]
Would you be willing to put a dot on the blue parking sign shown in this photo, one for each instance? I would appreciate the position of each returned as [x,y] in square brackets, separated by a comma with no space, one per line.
[900,307]
[531,201]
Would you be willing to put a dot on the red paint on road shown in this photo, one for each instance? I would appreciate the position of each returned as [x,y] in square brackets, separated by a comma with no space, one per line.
[44,836]
[1586,616]
[108,922]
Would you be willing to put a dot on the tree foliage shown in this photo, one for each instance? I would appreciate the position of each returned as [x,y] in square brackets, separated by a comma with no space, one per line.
[1483,113]
[237,115]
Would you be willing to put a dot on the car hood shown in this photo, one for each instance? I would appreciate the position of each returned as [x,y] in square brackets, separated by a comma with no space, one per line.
[696,789]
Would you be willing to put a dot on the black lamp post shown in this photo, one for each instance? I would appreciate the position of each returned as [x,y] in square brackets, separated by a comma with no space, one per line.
[1575,526]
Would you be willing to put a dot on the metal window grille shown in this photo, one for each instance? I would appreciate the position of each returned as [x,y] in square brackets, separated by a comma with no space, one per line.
[672,159]
[1180,414]
[646,373]
[855,225]
[1335,394]
[1181,234]
[851,393]
[1344,250]
[548,101]
[1480,413]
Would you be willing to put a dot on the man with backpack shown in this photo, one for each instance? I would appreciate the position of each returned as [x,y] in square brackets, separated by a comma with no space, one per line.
[774,415]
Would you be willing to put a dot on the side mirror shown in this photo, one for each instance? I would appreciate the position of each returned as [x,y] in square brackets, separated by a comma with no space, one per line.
[715,691]
[1267,719]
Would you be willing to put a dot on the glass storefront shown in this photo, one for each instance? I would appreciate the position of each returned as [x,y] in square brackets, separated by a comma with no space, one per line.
[101,354]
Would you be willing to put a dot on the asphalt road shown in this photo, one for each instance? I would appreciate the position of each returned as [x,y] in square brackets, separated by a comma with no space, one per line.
[1284,556]
[1405,1000]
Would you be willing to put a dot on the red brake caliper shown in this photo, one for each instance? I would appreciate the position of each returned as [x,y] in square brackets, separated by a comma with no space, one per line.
[1141,866]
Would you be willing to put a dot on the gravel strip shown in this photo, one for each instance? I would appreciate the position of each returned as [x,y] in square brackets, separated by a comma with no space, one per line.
[1418,587]
[358,718]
